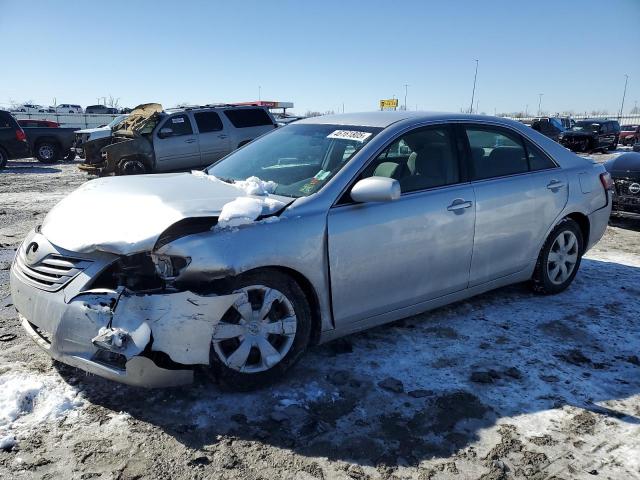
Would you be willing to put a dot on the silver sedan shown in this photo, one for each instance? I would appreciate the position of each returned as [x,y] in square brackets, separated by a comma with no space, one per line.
[322,228]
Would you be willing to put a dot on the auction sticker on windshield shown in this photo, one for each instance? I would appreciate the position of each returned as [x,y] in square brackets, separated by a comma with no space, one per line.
[350,135]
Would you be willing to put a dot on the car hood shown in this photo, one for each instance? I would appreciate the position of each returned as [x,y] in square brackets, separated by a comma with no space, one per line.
[126,215]
[92,130]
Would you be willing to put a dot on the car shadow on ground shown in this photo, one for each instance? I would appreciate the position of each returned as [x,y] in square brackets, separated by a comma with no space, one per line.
[426,386]
[626,222]
[29,165]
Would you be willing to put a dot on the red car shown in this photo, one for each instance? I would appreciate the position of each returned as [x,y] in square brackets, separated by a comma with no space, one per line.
[38,123]
[629,134]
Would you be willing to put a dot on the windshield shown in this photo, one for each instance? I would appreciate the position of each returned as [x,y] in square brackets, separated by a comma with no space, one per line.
[116,120]
[300,159]
[586,126]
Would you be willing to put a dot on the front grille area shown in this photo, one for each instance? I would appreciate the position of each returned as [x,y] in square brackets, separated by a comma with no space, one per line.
[622,186]
[52,272]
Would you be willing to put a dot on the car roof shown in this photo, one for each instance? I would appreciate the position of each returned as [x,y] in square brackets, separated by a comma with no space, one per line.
[385,119]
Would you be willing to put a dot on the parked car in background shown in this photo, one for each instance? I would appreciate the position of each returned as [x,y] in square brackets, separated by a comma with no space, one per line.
[68,108]
[30,108]
[625,171]
[325,227]
[49,145]
[38,123]
[592,134]
[153,140]
[629,134]
[13,141]
[550,127]
[88,134]
[101,109]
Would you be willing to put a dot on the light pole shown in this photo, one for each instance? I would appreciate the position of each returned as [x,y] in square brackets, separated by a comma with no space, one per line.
[539,102]
[626,79]
[473,92]
[406,87]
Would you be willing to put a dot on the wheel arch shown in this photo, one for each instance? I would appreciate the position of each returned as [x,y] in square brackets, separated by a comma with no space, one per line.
[583,222]
[310,294]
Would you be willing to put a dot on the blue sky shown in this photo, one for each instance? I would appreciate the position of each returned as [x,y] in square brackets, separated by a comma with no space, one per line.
[325,53]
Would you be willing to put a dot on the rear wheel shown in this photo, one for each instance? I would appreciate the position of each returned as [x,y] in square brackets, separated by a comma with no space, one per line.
[559,259]
[47,152]
[263,334]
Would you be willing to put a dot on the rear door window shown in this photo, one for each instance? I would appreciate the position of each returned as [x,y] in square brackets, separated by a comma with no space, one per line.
[208,122]
[248,117]
[495,152]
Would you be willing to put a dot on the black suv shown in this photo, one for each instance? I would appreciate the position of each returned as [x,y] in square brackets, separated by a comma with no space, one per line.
[592,134]
[13,141]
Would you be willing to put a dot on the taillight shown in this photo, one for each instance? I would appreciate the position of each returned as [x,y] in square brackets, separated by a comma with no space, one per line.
[21,136]
[606,180]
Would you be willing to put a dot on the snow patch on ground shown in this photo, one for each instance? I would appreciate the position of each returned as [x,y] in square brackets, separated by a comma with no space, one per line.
[29,399]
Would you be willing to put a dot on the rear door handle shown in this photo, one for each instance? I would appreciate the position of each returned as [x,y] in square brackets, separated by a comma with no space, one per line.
[459,204]
[191,140]
[555,184]
[222,136]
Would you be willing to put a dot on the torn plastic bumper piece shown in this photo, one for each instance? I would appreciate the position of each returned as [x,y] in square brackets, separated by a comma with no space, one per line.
[113,334]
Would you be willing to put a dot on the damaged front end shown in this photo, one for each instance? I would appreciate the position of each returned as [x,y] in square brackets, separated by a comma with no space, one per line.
[129,141]
[119,317]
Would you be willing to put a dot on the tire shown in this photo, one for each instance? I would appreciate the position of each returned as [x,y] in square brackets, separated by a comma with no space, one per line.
[47,152]
[4,158]
[584,146]
[286,346]
[546,280]
[131,166]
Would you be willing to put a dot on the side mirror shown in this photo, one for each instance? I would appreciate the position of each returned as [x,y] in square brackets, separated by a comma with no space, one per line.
[165,132]
[375,189]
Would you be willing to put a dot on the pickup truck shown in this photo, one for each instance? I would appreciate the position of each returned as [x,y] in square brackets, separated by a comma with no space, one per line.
[153,140]
[49,144]
[13,141]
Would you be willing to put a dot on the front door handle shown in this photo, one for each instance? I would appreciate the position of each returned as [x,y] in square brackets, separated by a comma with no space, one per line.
[555,184]
[459,204]
[191,140]
[222,136]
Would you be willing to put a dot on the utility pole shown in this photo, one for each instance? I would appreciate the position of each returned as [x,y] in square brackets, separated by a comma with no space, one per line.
[626,79]
[539,102]
[526,110]
[406,87]
[473,92]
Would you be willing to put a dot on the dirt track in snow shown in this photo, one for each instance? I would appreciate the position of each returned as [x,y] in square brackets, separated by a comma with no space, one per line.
[505,385]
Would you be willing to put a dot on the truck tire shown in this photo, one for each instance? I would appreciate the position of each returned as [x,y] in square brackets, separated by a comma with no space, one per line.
[47,152]
[131,166]
[3,158]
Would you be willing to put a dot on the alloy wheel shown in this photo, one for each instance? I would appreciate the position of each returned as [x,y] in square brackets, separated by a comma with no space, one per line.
[562,257]
[257,332]
[46,152]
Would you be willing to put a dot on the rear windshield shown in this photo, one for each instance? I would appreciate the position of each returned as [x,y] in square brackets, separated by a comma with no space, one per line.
[7,121]
[248,117]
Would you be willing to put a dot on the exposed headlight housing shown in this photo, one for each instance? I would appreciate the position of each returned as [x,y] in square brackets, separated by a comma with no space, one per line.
[169,267]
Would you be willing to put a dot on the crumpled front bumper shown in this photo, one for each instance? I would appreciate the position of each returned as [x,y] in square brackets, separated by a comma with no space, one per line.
[173,329]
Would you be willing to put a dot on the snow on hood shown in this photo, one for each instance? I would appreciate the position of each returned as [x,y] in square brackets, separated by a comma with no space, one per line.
[125,215]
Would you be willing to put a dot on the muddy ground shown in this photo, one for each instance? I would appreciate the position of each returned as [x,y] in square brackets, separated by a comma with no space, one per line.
[505,385]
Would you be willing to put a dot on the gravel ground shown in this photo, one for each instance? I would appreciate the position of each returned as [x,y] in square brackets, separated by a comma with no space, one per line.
[504,385]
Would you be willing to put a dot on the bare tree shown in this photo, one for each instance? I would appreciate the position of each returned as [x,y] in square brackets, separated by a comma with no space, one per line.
[113,102]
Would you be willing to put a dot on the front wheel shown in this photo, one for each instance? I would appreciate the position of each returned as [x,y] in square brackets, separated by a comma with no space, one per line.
[47,152]
[559,259]
[263,334]
[131,167]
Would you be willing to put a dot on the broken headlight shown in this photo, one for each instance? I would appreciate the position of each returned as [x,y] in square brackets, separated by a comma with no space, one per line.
[169,267]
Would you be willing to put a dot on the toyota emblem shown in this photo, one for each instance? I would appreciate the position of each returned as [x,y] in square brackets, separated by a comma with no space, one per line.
[634,188]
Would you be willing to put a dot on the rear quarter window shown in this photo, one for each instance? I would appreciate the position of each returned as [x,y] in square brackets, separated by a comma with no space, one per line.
[248,117]
[7,121]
